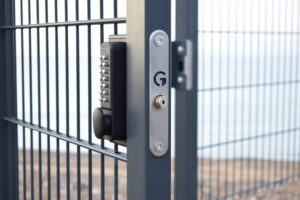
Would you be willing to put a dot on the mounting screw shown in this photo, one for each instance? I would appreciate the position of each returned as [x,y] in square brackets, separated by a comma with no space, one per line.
[159,147]
[159,40]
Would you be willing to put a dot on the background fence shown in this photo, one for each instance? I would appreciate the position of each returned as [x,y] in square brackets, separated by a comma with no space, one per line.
[248,96]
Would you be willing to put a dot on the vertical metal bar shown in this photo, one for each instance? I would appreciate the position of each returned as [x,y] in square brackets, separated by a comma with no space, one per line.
[297,89]
[235,66]
[227,100]
[9,186]
[296,97]
[102,169]
[211,96]
[116,164]
[30,104]
[48,104]
[39,101]
[277,89]
[257,95]
[228,75]
[57,104]
[264,121]
[67,103]
[102,158]
[23,104]
[243,101]
[101,17]
[148,177]
[203,62]
[78,102]
[115,16]
[116,178]
[271,111]
[186,108]
[285,66]
[291,73]
[220,105]
[250,97]
[90,161]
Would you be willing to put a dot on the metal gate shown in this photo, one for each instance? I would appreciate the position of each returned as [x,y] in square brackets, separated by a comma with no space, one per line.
[49,57]
[236,129]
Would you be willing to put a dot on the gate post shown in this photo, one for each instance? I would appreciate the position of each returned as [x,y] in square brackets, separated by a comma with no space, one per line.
[8,132]
[148,177]
[186,108]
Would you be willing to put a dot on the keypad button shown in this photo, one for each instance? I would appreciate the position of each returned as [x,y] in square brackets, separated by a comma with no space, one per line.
[104,64]
[104,78]
[105,92]
[103,85]
[104,71]
[104,99]
[104,57]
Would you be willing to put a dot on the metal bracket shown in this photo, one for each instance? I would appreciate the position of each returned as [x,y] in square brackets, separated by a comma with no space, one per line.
[159,90]
[182,62]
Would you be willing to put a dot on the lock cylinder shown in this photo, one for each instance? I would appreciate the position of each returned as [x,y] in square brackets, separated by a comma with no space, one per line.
[160,102]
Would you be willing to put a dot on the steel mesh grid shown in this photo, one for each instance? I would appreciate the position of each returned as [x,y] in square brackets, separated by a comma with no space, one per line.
[248,93]
[42,75]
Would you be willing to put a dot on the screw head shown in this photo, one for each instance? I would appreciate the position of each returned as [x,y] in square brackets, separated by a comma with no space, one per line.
[159,147]
[159,40]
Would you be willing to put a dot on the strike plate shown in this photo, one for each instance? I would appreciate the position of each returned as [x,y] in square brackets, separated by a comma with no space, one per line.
[159,86]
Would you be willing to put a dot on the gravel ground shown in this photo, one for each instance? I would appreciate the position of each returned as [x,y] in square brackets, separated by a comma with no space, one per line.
[286,191]
[216,178]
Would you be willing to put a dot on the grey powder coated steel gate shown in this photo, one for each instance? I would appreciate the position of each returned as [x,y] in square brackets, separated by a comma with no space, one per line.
[53,112]
[35,66]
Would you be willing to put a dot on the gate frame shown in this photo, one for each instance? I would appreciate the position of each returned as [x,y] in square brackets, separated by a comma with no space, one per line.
[186,108]
[148,177]
[9,138]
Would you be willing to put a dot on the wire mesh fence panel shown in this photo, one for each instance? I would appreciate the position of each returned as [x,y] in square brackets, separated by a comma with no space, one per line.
[58,56]
[248,96]
[248,93]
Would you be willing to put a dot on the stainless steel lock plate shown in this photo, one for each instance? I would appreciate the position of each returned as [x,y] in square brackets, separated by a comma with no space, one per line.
[159,86]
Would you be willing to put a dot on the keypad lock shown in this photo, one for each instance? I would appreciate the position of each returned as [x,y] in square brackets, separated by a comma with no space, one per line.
[110,119]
